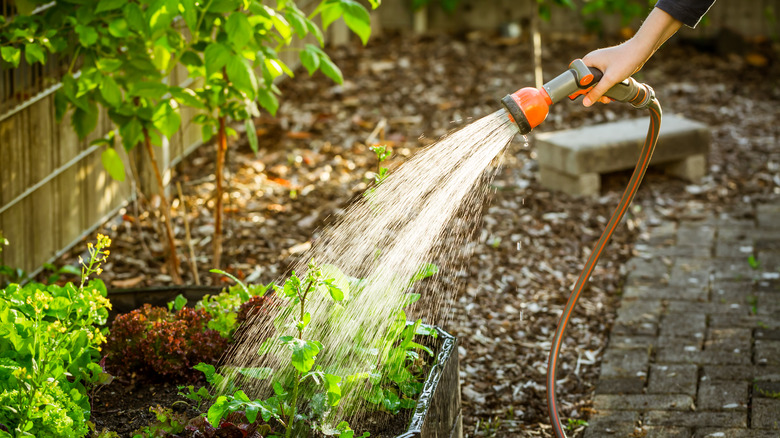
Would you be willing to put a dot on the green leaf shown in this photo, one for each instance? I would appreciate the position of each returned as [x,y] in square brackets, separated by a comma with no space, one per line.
[109,5]
[185,96]
[242,76]
[239,30]
[85,121]
[282,27]
[166,118]
[190,13]
[108,64]
[135,18]
[329,14]
[334,390]
[110,91]
[425,271]
[251,134]
[179,302]
[34,53]
[268,101]
[118,28]
[243,293]
[298,22]
[160,14]
[310,58]
[217,410]
[149,90]
[161,57]
[330,69]
[113,164]
[87,35]
[216,56]
[303,354]
[11,55]
[132,133]
[357,19]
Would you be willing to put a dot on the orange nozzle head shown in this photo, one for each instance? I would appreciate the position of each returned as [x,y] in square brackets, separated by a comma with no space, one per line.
[527,107]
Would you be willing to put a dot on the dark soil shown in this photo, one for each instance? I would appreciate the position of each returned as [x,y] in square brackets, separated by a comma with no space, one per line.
[530,243]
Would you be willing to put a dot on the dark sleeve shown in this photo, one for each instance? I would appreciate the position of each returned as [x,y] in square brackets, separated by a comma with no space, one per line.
[687,11]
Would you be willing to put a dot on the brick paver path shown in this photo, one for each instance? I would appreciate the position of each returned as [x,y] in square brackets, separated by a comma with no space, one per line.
[695,349]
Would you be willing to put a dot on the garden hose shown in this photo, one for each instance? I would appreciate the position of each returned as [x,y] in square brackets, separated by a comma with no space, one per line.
[528,107]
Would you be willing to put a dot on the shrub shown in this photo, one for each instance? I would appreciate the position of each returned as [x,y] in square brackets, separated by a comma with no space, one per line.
[162,343]
[49,344]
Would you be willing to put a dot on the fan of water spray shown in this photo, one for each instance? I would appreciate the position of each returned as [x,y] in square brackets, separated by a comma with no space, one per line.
[414,217]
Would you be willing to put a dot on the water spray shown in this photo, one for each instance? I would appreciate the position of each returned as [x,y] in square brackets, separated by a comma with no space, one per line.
[528,107]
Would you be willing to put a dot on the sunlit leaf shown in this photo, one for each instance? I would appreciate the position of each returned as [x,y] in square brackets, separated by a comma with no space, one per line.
[113,164]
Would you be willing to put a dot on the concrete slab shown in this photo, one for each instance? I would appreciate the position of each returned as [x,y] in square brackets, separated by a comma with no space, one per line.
[570,159]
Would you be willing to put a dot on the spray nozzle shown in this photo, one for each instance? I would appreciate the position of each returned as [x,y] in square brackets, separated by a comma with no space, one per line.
[528,107]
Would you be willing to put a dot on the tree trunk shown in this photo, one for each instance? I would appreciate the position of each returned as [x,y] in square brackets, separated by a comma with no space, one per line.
[221,150]
[173,258]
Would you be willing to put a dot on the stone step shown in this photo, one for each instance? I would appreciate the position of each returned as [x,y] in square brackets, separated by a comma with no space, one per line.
[572,160]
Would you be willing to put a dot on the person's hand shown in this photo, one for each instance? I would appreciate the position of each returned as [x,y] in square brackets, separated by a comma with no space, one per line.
[617,63]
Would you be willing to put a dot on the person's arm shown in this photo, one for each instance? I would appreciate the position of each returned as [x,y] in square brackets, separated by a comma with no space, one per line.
[621,61]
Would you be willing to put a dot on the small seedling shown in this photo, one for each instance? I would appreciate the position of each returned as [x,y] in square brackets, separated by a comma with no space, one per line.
[753,262]
[575,423]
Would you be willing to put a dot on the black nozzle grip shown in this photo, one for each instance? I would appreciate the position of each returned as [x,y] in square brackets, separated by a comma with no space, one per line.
[597,75]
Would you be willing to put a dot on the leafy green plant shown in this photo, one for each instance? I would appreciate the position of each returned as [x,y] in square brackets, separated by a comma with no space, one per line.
[572,424]
[283,407]
[50,339]
[167,423]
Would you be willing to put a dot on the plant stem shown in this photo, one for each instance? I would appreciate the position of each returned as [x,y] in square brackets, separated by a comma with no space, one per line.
[173,258]
[221,150]
[293,405]
[193,262]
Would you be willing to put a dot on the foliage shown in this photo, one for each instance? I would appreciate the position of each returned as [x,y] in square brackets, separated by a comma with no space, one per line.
[161,342]
[168,423]
[50,340]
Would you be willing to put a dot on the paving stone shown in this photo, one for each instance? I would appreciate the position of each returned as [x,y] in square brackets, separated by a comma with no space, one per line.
[722,395]
[732,249]
[687,251]
[734,340]
[717,432]
[733,269]
[672,379]
[638,311]
[686,351]
[643,402]
[768,215]
[766,414]
[634,385]
[637,341]
[736,235]
[695,233]
[740,372]
[687,273]
[641,329]
[766,285]
[767,244]
[665,432]
[689,293]
[767,352]
[728,292]
[691,325]
[624,363]
[695,418]
[744,321]
[651,267]
[773,335]
[611,423]
[689,307]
